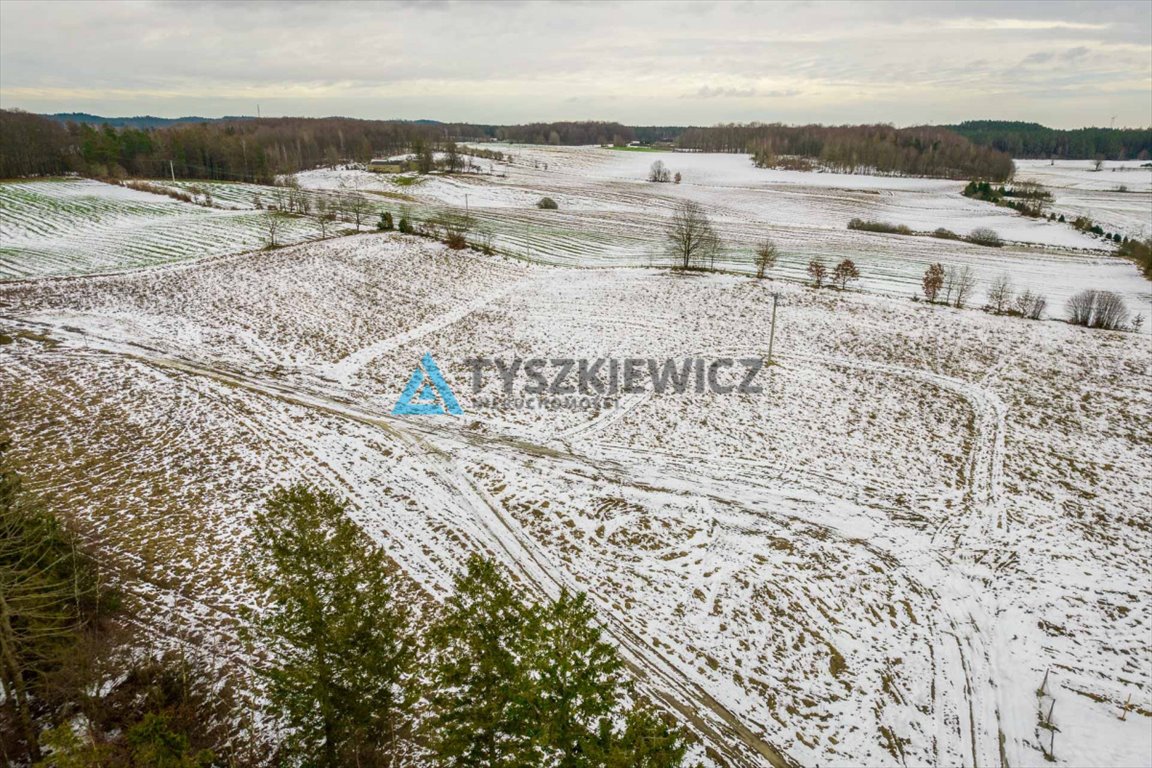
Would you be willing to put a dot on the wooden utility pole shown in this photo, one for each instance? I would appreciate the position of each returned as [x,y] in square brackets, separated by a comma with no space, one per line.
[772,333]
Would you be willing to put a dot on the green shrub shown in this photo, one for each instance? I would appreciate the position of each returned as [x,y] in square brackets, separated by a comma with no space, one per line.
[405,226]
[547,204]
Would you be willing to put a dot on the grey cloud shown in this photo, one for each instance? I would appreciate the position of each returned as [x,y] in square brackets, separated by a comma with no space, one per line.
[708,92]
[902,62]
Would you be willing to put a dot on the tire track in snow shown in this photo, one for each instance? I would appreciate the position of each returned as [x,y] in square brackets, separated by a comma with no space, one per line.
[721,728]
[529,561]
[969,646]
[345,370]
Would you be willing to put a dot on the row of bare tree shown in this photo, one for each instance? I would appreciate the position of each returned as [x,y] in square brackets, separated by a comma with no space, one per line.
[692,243]
[842,274]
[1090,308]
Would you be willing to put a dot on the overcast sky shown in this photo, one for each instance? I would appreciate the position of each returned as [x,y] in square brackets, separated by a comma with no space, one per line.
[1062,64]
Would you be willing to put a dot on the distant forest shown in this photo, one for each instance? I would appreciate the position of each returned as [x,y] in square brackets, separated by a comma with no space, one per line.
[925,151]
[1032,140]
[241,150]
[252,149]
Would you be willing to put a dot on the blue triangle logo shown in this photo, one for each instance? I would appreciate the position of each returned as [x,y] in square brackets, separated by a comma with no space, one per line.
[427,394]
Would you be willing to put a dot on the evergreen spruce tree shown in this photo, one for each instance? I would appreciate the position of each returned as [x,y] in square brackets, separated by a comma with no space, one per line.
[577,678]
[515,684]
[646,741]
[480,692]
[341,645]
[49,593]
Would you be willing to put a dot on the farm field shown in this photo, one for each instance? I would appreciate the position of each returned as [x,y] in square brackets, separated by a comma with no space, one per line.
[77,226]
[1119,195]
[609,215]
[876,559]
[666,384]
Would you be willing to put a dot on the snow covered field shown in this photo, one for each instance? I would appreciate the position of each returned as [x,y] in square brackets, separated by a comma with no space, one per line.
[610,215]
[79,226]
[874,561]
[1119,195]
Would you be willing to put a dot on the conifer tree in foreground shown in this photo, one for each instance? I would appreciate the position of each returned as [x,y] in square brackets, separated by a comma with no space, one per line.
[506,682]
[341,648]
[515,683]
[49,592]
[577,674]
[480,688]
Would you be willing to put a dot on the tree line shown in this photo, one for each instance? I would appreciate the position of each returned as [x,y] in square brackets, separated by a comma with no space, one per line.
[354,669]
[573,133]
[922,151]
[1032,140]
[256,149]
[251,149]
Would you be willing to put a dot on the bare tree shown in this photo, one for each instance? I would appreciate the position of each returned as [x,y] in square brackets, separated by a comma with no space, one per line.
[961,284]
[677,177]
[1098,162]
[1080,307]
[354,201]
[1031,305]
[271,227]
[659,172]
[985,236]
[1036,307]
[289,197]
[1098,309]
[844,273]
[1000,294]
[817,270]
[356,206]
[452,161]
[298,201]
[949,284]
[324,214]
[691,240]
[425,159]
[932,281]
[1111,314]
[766,256]
[280,198]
